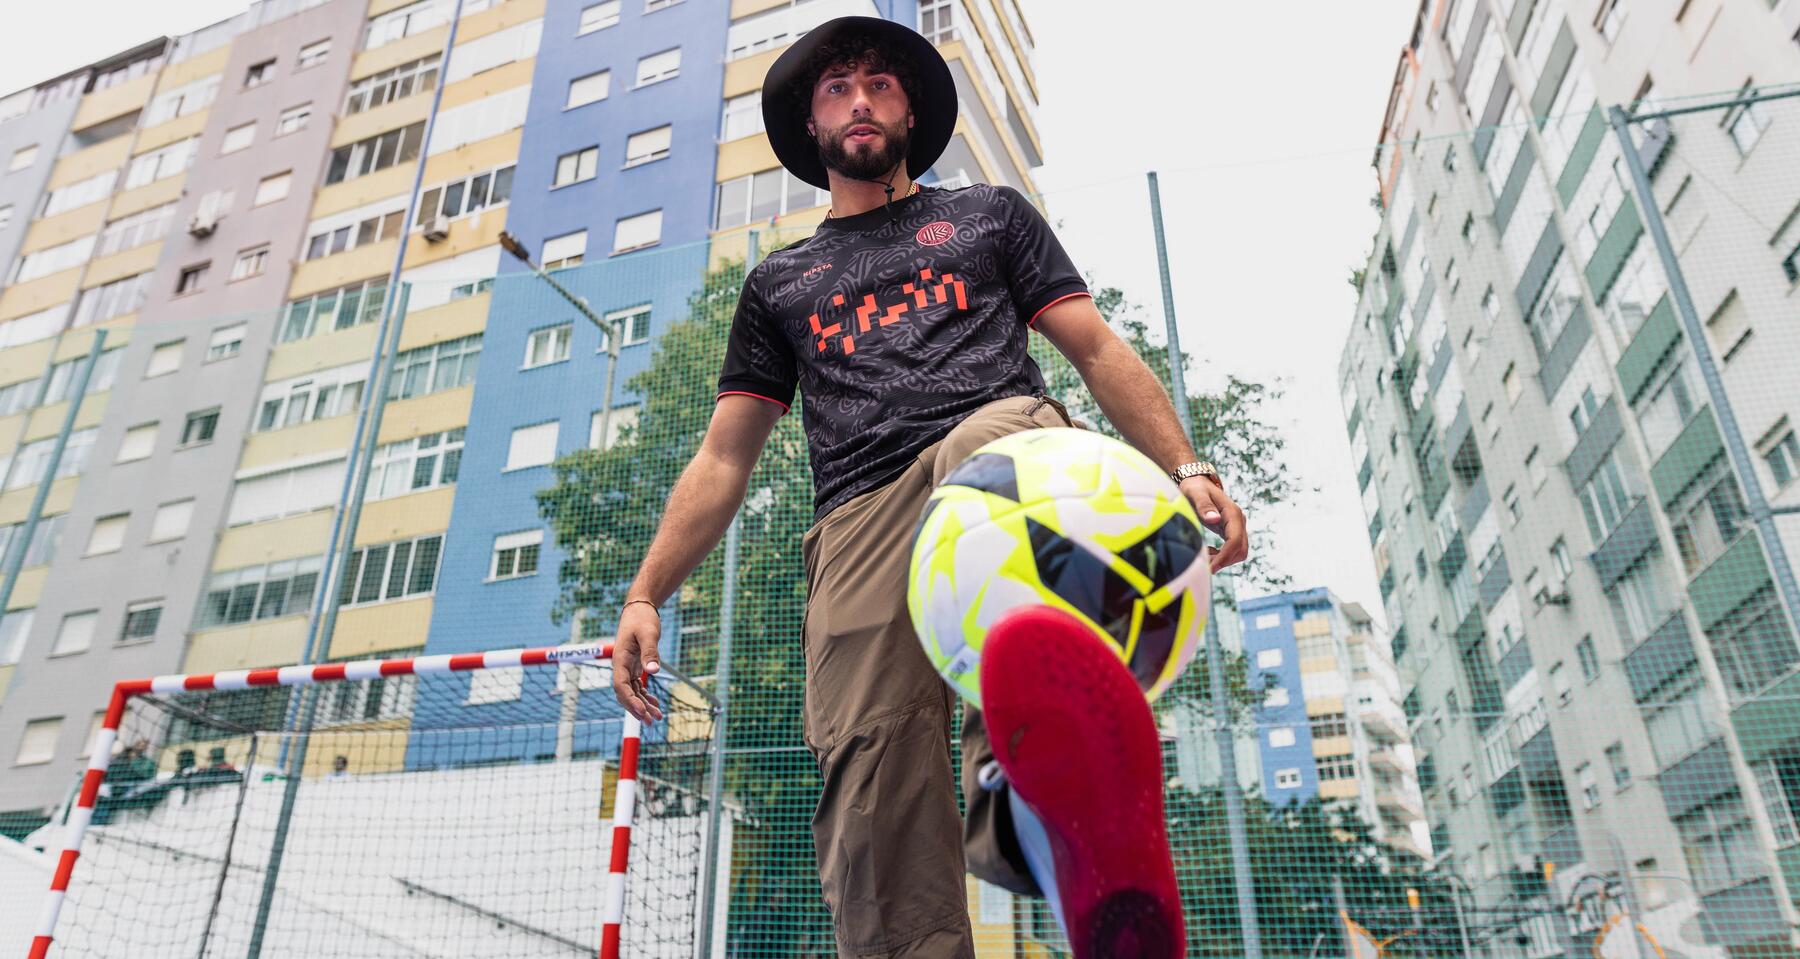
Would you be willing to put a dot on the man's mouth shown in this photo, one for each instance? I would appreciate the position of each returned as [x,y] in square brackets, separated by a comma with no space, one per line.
[862,133]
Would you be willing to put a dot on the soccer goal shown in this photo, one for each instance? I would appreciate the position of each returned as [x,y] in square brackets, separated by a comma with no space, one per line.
[467,805]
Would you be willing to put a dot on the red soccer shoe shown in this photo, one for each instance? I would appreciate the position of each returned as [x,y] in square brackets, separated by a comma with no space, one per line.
[1074,734]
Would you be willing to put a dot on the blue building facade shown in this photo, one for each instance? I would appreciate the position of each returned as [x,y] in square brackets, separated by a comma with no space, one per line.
[1284,735]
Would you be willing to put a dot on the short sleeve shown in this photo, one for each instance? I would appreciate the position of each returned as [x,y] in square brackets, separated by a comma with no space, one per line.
[759,360]
[1038,269]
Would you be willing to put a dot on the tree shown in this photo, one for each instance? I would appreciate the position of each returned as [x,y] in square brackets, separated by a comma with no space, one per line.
[603,508]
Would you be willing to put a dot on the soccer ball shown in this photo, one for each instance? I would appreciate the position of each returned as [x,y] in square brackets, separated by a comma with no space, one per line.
[1066,518]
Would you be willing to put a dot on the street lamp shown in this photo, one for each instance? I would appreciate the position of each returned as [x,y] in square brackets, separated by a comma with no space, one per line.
[571,695]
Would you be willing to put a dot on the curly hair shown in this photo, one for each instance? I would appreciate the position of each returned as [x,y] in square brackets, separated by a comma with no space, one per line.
[856,49]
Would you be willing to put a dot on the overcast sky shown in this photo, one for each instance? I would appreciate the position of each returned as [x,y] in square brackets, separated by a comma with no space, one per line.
[1260,119]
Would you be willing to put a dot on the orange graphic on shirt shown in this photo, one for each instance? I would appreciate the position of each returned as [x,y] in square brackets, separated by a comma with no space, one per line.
[870,314]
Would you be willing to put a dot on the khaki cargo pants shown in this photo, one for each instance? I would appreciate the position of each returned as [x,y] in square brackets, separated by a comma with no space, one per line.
[891,849]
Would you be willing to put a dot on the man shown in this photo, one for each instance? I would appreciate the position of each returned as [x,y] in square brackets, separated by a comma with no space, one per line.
[904,320]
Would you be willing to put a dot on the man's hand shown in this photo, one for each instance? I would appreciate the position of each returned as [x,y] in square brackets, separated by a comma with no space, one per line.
[1219,514]
[634,660]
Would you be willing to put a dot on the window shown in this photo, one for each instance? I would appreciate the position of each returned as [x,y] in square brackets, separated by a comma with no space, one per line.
[275,493]
[1490,305]
[141,620]
[237,138]
[76,633]
[226,341]
[316,396]
[636,232]
[760,196]
[1680,719]
[576,167]
[33,459]
[418,76]
[1670,404]
[1535,470]
[411,19]
[1606,497]
[138,443]
[1268,659]
[1608,18]
[1778,780]
[516,554]
[108,535]
[293,119]
[598,17]
[504,684]
[450,200]
[647,146]
[1589,788]
[1468,228]
[1275,697]
[111,300]
[259,74]
[1559,685]
[1452,277]
[589,89]
[1753,646]
[133,231]
[423,462]
[743,116]
[565,250]
[45,540]
[1729,326]
[651,6]
[1705,526]
[1280,738]
[1590,663]
[429,369]
[259,592]
[200,427]
[1615,762]
[53,259]
[1783,457]
[166,358]
[1287,778]
[1512,383]
[1720,841]
[171,521]
[181,101]
[1746,122]
[22,158]
[622,419]
[38,744]
[13,630]
[1581,416]
[148,168]
[1790,267]
[332,310]
[634,321]
[547,346]
[189,279]
[531,446]
[250,263]
[313,54]
[1643,598]
[1510,501]
[375,153]
[1560,560]
[391,571]
[658,67]
[335,234]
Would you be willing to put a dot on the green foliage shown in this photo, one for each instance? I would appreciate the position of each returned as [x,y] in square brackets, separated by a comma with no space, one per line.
[602,511]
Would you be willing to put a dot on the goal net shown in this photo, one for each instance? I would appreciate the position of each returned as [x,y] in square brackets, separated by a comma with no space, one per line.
[435,813]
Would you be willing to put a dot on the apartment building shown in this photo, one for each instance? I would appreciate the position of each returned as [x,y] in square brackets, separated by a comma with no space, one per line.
[1597,652]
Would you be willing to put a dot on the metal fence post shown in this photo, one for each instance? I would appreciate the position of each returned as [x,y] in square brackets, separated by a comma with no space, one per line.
[715,773]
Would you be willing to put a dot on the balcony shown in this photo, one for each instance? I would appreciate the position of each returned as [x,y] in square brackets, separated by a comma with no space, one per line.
[1622,547]
[1556,365]
[1693,451]
[1731,579]
[1648,346]
[1601,435]
[1667,651]
[1387,725]
[1615,245]
[1400,800]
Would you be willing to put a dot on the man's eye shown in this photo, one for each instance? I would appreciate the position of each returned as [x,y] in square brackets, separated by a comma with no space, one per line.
[835,88]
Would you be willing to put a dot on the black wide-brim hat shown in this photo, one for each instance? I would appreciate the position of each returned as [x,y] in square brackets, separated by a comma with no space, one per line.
[787,96]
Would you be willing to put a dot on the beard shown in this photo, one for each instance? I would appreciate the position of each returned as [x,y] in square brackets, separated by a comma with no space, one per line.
[864,162]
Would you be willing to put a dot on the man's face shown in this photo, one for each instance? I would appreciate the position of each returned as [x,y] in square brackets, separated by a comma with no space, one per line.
[861,120]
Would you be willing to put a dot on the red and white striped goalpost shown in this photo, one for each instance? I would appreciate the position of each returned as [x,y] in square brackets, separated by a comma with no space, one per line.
[624,800]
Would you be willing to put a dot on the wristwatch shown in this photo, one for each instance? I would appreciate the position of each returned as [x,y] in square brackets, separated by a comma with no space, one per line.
[1187,470]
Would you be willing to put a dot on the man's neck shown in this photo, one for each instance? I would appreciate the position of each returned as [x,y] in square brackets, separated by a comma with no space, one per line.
[850,196]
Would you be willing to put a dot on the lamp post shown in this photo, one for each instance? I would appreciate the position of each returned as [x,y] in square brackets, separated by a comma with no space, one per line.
[571,693]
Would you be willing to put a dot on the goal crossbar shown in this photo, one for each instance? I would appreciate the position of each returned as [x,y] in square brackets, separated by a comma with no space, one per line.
[82,813]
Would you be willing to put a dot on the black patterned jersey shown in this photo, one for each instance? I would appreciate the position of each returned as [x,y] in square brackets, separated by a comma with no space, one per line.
[895,327]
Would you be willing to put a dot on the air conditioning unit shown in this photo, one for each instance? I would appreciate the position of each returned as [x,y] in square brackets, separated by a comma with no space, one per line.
[202,224]
[1553,594]
[436,228]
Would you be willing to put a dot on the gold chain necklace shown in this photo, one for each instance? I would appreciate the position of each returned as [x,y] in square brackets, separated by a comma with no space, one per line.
[915,188]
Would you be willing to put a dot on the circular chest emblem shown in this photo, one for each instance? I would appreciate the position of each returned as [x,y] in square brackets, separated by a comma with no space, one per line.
[932,234]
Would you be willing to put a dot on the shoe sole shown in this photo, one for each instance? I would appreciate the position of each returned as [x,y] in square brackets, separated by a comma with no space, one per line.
[1075,736]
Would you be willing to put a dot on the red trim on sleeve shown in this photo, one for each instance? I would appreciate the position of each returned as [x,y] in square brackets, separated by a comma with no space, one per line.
[767,399]
[1065,296]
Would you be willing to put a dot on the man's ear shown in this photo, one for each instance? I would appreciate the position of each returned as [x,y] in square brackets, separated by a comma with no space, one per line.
[909,119]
